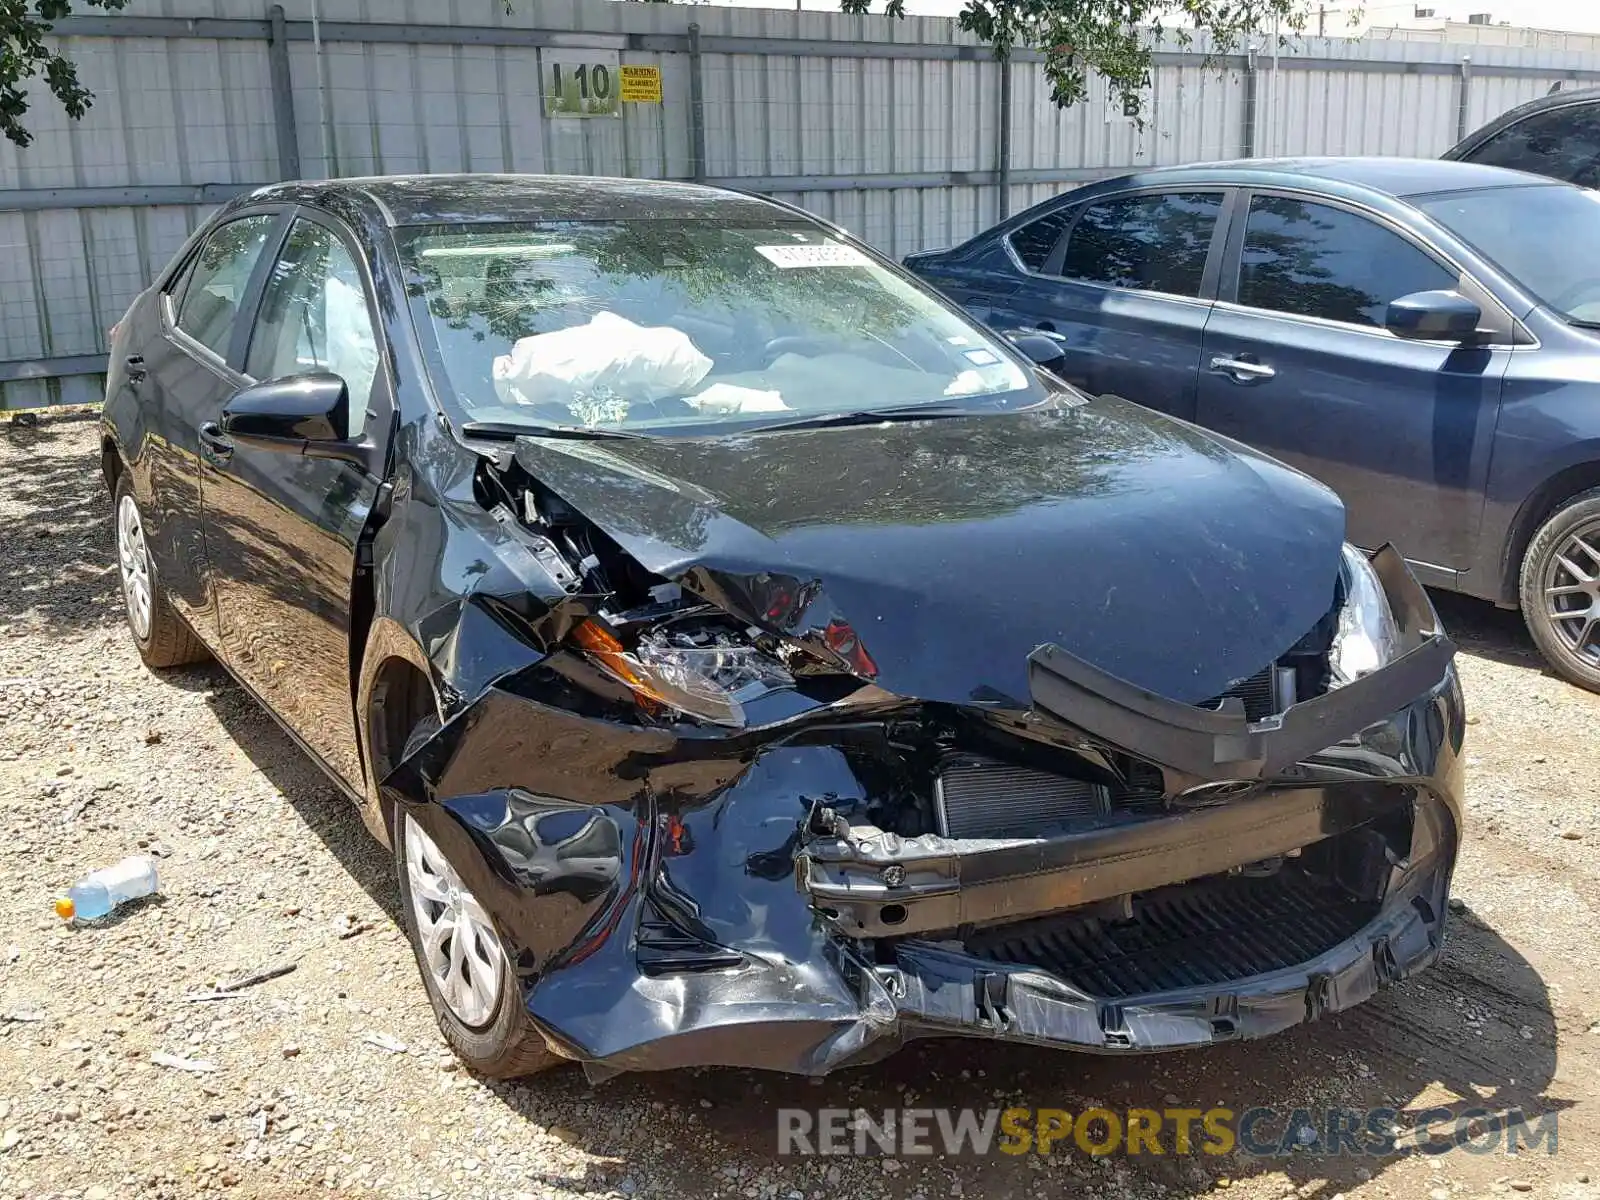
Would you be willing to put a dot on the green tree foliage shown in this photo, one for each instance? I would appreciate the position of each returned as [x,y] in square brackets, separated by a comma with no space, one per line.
[1113,38]
[24,25]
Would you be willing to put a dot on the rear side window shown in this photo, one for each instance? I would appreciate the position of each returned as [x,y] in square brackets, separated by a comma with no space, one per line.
[1563,143]
[215,284]
[1314,260]
[1149,243]
[1034,241]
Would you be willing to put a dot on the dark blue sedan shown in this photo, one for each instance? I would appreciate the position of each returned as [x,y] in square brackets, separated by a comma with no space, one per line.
[1423,336]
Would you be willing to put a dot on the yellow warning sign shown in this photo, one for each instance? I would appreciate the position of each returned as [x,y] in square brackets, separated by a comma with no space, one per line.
[641,85]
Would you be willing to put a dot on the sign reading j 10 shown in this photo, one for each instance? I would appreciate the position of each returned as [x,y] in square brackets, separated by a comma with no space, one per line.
[582,83]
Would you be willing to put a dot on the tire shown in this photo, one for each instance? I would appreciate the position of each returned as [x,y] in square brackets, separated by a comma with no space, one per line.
[500,1042]
[1565,551]
[163,638]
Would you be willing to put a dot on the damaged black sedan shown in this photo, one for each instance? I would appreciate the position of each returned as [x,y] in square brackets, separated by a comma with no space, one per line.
[749,659]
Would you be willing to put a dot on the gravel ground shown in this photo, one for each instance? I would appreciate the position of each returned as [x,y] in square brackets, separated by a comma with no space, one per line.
[332,1079]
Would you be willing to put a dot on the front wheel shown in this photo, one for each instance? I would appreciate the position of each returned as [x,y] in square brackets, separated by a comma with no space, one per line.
[162,637]
[470,981]
[1560,590]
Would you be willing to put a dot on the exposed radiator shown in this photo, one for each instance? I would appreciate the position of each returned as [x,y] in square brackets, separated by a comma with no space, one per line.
[979,798]
[1264,693]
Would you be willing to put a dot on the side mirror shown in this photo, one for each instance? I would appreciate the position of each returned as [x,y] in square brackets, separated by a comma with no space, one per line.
[300,414]
[1433,316]
[1045,350]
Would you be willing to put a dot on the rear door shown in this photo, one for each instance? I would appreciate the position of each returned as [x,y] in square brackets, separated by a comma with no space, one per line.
[183,368]
[1125,285]
[1297,363]
[282,528]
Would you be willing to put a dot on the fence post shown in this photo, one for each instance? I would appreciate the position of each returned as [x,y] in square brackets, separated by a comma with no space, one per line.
[1462,98]
[1250,102]
[282,95]
[1003,151]
[697,105]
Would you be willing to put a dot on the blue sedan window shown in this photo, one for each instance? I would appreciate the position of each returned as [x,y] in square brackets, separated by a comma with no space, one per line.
[1034,241]
[1318,261]
[1148,243]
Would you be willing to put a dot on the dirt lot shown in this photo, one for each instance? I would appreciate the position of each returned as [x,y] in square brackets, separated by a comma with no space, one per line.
[263,863]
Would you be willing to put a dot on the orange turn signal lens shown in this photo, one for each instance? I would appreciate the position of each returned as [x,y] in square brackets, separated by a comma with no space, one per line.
[602,644]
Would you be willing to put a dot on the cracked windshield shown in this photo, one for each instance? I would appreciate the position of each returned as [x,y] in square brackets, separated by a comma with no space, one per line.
[656,325]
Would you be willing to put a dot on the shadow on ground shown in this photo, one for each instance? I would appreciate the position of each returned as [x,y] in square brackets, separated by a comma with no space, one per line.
[1482,629]
[324,808]
[58,563]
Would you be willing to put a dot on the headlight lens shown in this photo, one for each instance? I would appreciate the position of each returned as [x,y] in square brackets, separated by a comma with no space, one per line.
[704,671]
[1367,635]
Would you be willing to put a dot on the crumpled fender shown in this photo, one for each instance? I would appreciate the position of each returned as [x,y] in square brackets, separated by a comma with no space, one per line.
[603,854]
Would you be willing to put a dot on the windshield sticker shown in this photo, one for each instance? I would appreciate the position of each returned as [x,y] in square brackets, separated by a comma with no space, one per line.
[981,357]
[828,254]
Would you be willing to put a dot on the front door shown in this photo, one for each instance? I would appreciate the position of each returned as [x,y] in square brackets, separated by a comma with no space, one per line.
[1297,363]
[282,527]
[1124,292]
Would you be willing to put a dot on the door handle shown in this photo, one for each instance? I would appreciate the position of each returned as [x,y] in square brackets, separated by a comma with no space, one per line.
[1239,370]
[215,444]
[136,367]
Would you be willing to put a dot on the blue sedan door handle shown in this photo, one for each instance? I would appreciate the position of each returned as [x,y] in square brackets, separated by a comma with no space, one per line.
[1241,371]
[214,444]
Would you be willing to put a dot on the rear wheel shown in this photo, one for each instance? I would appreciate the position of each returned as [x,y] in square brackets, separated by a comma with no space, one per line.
[161,635]
[470,980]
[1560,590]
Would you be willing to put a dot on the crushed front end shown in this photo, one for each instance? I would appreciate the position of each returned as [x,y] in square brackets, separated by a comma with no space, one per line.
[710,832]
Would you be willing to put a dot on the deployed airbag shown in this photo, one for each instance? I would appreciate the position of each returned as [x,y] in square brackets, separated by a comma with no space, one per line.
[609,357]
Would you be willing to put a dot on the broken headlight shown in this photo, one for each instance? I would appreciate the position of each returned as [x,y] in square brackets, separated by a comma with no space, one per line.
[704,670]
[1366,635]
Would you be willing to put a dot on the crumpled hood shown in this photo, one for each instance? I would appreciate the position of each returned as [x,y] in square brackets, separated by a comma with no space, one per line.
[937,555]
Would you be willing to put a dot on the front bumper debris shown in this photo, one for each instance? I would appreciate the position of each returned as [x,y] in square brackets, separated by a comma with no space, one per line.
[675,896]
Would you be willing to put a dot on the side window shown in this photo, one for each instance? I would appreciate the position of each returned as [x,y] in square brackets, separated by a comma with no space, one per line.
[1563,144]
[314,317]
[1034,241]
[1150,243]
[1317,261]
[213,287]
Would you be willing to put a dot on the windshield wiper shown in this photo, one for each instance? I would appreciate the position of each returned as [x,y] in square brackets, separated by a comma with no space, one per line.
[509,431]
[868,416]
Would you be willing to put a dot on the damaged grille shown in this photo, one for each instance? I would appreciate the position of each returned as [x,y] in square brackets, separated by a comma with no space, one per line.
[1192,935]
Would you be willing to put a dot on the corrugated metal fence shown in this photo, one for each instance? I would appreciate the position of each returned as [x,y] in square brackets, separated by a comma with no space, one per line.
[907,132]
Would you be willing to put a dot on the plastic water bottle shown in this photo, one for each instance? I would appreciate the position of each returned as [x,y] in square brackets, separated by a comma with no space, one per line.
[101,891]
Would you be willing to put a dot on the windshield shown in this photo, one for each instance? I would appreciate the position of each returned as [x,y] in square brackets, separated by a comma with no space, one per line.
[1537,235]
[683,326]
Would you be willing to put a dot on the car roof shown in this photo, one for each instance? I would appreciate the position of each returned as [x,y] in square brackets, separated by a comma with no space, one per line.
[1396,177]
[467,199]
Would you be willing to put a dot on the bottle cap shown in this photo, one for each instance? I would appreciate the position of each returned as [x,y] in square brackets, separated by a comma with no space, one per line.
[65,908]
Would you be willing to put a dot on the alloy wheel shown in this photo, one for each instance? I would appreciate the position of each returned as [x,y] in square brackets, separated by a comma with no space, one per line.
[133,557]
[459,944]
[1572,593]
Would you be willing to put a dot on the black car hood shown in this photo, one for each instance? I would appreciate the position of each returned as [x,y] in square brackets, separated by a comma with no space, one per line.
[936,555]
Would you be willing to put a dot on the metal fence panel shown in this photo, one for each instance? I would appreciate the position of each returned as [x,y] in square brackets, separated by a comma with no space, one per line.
[907,132]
